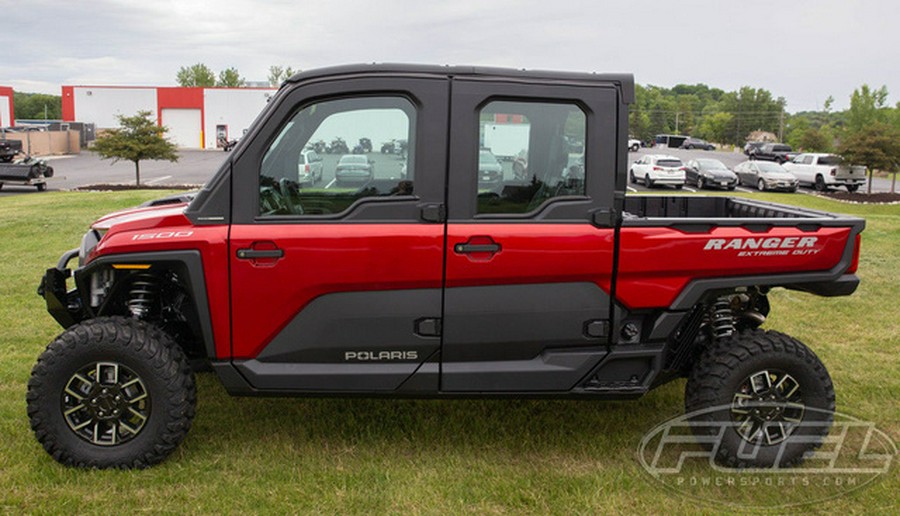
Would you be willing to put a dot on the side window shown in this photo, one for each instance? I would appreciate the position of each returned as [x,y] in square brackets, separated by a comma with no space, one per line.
[529,152]
[323,160]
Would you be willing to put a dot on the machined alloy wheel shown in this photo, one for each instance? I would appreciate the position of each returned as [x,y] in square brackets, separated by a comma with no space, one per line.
[106,403]
[767,407]
[761,185]
[759,399]
[111,392]
[700,183]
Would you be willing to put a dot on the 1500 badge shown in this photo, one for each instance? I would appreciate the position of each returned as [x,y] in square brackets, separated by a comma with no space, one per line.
[375,356]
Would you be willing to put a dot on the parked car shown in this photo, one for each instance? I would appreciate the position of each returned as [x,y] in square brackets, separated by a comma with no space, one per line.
[824,171]
[710,173]
[658,169]
[354,168]
[697,143]
[752,147]
[309,167]
[777,152]
[634,144]
[766,176]
[490,172]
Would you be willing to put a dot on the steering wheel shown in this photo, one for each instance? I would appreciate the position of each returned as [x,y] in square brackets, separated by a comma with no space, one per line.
[285,187]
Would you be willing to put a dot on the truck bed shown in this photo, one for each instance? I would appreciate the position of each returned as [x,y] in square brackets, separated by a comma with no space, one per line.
[648,210]
[672,249]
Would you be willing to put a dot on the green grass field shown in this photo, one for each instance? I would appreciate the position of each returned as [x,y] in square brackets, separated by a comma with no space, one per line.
[420,456]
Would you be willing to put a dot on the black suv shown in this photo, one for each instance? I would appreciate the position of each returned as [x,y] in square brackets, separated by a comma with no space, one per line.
[777,152]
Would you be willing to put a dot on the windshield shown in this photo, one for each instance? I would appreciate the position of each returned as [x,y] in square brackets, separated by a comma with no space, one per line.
[711,164]
[767,166]
[354,160]
[486,157]
[669,163]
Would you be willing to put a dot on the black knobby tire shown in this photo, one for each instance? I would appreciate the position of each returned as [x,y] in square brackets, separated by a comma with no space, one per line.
[144,352]
[718,376]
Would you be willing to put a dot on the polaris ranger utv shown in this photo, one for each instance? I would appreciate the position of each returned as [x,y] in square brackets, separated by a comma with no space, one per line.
[417,282]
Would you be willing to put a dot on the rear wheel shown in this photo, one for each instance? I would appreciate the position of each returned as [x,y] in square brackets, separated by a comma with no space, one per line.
[111,392]
[648,181]
[635,147]
[850,188]
[766,396]
[631,177]
[41,187]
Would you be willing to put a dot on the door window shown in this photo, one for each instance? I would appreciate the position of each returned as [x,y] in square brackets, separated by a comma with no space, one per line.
[530,152]
[360,148]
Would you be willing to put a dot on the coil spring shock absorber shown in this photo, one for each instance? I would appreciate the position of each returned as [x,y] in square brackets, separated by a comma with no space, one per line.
[142,294]
[722,318]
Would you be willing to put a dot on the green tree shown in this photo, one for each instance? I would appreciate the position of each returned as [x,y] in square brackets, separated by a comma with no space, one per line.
[813,139]
[138,139]
[715,127]
[196,75]
[866,107]
[877,146]
[279,74]
[37,106]
[230,78]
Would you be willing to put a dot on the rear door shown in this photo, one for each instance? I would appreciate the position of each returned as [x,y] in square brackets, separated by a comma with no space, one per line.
[529,259]
[338,287]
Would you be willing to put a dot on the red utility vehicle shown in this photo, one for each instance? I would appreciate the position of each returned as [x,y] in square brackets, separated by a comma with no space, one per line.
[421,282]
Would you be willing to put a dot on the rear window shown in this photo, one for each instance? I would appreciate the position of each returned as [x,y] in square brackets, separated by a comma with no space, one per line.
[830,160]
[669,163]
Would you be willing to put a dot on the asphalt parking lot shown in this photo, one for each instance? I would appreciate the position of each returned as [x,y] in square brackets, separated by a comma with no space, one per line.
[195,167]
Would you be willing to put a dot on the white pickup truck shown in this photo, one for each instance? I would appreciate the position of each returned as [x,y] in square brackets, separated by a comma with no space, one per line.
[825,171]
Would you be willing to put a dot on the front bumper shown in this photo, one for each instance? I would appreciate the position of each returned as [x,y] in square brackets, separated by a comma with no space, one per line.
[64,305]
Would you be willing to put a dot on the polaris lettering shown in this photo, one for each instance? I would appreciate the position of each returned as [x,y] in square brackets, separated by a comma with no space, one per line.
[374,356]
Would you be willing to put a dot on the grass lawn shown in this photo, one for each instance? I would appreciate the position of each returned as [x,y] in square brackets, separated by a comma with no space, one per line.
[419,456]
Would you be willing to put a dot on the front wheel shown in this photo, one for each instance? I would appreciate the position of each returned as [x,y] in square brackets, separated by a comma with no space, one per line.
[761,185]
[700,183]
[820,184]
[635,148]
[111,392]
[765,396]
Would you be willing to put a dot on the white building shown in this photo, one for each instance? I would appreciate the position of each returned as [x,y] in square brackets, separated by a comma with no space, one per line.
[196,117]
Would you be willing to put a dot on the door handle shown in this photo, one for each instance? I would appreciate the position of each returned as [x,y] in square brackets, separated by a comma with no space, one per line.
[256,254]
[476,248]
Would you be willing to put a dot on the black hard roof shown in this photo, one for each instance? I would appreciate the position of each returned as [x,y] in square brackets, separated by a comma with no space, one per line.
[625,81]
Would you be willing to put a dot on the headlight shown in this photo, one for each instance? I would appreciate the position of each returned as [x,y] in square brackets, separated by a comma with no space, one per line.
[88,243]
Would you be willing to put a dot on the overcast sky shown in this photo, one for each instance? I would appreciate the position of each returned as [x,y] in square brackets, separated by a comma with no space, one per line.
[801,50]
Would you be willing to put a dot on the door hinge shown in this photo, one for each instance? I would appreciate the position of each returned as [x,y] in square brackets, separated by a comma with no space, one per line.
[604,218]
[428,327]
[433,212]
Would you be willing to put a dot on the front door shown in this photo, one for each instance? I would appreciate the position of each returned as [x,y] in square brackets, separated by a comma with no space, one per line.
[529,252]
[336,282]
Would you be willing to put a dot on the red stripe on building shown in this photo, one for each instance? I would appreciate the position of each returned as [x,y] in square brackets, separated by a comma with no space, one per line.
[181,98]
[68,104]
